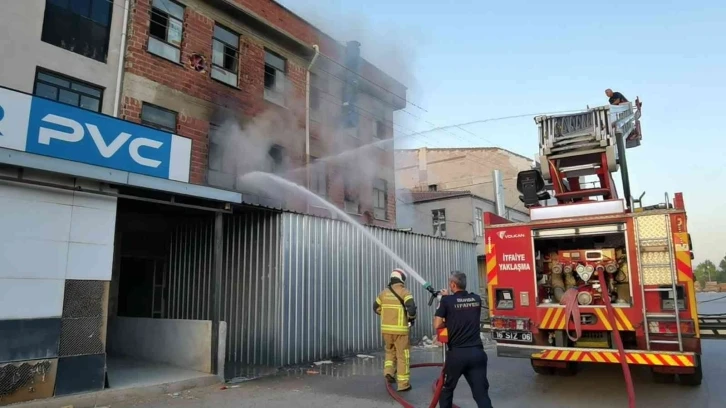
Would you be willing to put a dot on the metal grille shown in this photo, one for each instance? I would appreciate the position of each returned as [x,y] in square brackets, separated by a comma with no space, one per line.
[82,336]
[84,317]
[16,376]
[656,265]
[652,228]
[83,298]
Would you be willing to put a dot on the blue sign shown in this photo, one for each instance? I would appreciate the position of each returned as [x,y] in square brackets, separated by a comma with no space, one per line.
[40,126]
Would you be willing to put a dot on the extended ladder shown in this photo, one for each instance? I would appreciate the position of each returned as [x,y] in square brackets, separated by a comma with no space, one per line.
[656,266]
[591,142]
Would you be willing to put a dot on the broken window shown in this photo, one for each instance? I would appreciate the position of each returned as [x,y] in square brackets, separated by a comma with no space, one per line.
[165,30]
[318,177]
[225,57]
[380,199]
[274,77]
[277,155]
[350,191]
[79,26]
[433,187]
[158,117]
[439,222]
[479,222]
[68,90]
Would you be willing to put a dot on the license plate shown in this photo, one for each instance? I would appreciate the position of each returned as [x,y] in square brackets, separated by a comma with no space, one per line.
[512,336]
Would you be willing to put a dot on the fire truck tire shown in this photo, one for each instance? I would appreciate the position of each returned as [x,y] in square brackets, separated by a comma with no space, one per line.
[542,370]
[695,379]
[663,378]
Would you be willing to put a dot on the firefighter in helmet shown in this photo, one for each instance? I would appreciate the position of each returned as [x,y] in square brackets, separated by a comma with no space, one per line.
[397,309]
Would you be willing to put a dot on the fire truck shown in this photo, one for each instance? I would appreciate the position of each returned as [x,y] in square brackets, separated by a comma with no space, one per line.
[594,276]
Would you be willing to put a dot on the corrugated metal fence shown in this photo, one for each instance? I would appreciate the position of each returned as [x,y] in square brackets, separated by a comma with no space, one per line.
[297,288]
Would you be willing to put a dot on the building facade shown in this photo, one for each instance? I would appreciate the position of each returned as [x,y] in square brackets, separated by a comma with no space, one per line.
[457,169]
[255,87]
[457,215]
[115,230]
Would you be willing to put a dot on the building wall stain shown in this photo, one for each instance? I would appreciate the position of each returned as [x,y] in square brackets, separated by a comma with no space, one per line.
[25,381]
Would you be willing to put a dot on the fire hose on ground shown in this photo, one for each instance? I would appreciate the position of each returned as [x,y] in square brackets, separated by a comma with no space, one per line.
[438,385]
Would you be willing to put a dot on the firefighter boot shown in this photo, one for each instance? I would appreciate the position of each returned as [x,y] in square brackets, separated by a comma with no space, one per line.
[389,366]
[403,375]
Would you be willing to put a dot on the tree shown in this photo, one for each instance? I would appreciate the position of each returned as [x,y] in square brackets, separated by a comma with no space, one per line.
[706,271]
[722,270]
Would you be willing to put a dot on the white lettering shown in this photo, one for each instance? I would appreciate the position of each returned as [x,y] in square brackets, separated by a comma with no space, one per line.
[111,149]
[515,267]
[513,257]
[134,151]
[106,150]
[46,134]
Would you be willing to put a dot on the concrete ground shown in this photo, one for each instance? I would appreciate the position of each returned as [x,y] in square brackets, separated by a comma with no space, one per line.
[357,383]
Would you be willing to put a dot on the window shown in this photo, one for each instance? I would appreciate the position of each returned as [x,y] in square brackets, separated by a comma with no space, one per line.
[79,26]
[225,57]
[433,187]
[350,192]
[314,91]
[380,199]
[165,29]
[318,177]
[274,77]
[439,222]
[479,222]
[277,154]
[160,118]
[68,90]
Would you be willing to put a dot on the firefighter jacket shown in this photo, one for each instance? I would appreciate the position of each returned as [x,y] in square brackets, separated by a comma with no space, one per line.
[394,317]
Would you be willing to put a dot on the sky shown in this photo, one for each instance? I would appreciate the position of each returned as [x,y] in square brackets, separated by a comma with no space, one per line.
[466,61]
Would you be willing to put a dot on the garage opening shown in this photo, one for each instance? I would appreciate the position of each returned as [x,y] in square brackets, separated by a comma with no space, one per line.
[160,327]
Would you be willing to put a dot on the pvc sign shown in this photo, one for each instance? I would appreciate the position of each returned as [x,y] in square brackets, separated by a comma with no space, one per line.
[35,125]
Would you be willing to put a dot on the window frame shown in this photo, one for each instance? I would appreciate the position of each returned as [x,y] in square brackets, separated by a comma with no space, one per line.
[225,44]
[165,41]
[71,80]
[157,125]
[351,190]
[276,167]
[479,217]
[438,218]
[104,57]
[275,94]
[380,186]
[318,181]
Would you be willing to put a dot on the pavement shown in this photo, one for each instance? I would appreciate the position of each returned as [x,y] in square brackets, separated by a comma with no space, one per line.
[357,382]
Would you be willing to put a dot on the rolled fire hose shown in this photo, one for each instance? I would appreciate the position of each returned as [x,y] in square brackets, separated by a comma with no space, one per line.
[572,312]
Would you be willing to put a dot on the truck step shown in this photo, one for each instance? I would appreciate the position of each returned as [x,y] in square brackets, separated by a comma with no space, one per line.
[658,289]
[660,315]
[658,265]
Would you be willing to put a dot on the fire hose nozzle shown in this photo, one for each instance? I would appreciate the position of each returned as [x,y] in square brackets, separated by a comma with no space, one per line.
[434,293]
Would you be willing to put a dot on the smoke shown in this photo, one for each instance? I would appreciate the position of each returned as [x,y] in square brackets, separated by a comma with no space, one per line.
[242,146]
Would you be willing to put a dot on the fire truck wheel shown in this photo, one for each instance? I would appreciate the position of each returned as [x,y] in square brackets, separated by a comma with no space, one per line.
[695,379]
[542,370]
[663,378]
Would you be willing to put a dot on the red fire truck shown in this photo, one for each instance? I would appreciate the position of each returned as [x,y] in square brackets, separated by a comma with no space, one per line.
[593,270]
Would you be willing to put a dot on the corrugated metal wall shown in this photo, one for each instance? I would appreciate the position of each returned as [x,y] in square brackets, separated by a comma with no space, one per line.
[297,288]
[331,275]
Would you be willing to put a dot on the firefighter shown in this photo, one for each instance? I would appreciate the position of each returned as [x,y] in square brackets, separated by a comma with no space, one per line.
[397,309]
[615,98]
[460,312]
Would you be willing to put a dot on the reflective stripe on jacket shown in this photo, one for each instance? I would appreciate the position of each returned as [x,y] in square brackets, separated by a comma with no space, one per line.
[394,318]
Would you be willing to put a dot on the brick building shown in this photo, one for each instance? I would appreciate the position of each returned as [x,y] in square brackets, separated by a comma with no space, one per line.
[239,77]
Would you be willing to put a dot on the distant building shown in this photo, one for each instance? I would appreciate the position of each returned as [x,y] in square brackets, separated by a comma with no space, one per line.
[450,214]
[462,169]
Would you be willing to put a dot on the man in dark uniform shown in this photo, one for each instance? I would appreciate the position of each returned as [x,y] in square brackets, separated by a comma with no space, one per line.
[460,313]
[615,98]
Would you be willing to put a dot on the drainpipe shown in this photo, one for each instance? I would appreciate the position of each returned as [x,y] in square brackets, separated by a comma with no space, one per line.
[307,119]
[122,59]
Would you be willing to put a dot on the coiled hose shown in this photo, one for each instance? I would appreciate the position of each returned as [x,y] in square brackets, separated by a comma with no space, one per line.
[437,386]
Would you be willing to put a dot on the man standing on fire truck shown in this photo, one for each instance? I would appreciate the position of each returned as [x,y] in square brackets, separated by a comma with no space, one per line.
[460,312]
[397,309]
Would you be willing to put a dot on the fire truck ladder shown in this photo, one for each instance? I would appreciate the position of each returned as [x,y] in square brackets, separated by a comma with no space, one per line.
[656,266]
[591,142]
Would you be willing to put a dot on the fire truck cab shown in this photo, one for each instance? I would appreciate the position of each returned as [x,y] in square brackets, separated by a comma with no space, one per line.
[619,267]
